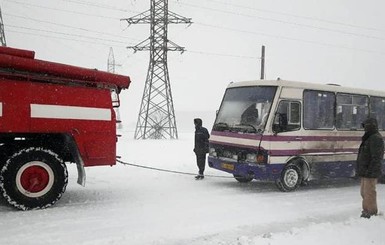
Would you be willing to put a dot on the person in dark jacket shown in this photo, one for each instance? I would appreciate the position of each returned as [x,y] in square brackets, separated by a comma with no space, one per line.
[368,168]
[201,146]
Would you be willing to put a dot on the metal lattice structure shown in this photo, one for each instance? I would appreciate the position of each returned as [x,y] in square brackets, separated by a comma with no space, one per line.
[111,61]
[156,118]
[2,34]
[111,68]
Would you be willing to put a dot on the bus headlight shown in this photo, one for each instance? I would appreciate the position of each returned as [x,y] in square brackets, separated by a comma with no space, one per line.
[251,158]
[259,158]
[212,152]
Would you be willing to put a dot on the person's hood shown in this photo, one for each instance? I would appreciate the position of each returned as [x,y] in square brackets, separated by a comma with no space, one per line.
[198,122]
[370,125]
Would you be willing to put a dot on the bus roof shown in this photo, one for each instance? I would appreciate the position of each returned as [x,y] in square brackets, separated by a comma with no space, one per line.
[308,85]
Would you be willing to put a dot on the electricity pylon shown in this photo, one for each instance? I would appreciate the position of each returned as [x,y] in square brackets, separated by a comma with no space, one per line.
[2,35]
[156,118]
[111,61]
[111,68]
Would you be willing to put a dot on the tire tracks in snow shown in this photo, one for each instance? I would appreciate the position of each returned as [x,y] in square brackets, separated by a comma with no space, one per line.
[266,230]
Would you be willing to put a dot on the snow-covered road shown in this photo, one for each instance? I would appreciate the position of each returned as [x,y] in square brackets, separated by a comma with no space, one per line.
[128,205]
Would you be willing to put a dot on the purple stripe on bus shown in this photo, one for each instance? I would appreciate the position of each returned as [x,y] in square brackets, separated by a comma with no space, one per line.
[282,152]
[310,151]
[287,138]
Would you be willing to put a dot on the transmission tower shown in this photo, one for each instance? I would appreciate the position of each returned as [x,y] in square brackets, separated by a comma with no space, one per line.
[2,35]
[111,61]
[111,68]
[156,118]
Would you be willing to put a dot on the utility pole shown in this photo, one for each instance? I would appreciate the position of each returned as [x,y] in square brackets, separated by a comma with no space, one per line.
[156,118]
[2,34]
[263,63]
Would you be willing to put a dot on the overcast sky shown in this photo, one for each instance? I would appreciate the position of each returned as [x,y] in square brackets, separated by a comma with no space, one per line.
[319,41]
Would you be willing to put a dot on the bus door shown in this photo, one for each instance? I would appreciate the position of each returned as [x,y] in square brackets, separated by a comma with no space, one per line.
[318,124]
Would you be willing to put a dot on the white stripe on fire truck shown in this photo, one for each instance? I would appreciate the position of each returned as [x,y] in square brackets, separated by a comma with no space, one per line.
[1,109]
[70,112]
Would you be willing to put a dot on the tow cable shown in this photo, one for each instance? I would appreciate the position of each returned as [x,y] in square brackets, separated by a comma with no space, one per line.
[170,171]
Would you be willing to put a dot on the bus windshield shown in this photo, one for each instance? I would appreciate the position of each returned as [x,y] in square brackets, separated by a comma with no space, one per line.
[245,109]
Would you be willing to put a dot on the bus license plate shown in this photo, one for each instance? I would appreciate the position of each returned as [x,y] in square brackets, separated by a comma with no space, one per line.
[228,166]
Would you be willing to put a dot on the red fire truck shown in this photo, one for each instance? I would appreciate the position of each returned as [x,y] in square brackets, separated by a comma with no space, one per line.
[52,114]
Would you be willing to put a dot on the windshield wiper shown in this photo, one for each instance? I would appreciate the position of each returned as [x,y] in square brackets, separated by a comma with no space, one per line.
[251,128]
[221,126]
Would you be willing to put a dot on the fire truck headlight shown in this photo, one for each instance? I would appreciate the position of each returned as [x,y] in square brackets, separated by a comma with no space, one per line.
[212,152]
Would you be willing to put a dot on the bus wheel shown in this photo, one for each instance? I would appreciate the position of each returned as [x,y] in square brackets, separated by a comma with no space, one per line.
[33,178]
[242,179]
[291,178]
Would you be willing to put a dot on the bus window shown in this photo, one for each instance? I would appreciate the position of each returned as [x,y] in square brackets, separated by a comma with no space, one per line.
[377,108]
[351,110]
[290,111]
[318,109]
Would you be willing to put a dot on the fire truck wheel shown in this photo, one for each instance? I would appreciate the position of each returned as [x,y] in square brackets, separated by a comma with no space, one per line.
[33,178]
[291,178]
[242,179]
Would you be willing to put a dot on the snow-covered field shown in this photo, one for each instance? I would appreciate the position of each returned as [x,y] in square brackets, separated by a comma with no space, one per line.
[129,205]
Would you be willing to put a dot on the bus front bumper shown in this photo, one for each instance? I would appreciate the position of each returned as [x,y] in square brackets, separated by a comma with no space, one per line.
[265,172]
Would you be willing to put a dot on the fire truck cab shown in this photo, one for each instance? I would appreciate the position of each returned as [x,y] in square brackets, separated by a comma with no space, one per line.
[52,114]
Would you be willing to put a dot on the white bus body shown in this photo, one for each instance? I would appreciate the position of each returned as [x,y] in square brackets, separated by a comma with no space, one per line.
[291,132]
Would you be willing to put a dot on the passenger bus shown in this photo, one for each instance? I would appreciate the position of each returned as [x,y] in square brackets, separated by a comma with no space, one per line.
[291,132]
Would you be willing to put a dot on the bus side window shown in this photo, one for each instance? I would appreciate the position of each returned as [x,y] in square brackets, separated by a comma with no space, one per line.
[318,109]
[377,110]
[351,110]
[288,116]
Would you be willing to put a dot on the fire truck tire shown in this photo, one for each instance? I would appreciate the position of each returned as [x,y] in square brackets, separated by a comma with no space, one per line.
[33,178]
[242,179]
[291,178]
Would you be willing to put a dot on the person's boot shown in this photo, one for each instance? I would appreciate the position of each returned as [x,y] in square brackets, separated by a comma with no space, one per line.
[365,215]
[199,177]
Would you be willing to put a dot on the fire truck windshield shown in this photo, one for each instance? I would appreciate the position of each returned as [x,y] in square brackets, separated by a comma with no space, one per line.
[245,109]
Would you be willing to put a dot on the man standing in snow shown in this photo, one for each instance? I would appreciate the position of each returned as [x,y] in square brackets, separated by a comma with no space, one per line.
[201,147]
[369,163]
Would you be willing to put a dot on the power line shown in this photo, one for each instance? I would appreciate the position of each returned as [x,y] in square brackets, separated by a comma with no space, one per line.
[298,16]
[61,10]
[108,40]
[289,38]
[224,55]
[199,52]
[62,38]
[66,34]
[285,22]
[104,6]
[68,26]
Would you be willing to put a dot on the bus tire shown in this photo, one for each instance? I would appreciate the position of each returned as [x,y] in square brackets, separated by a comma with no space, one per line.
[33,178]
[291,178]
[242,179]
